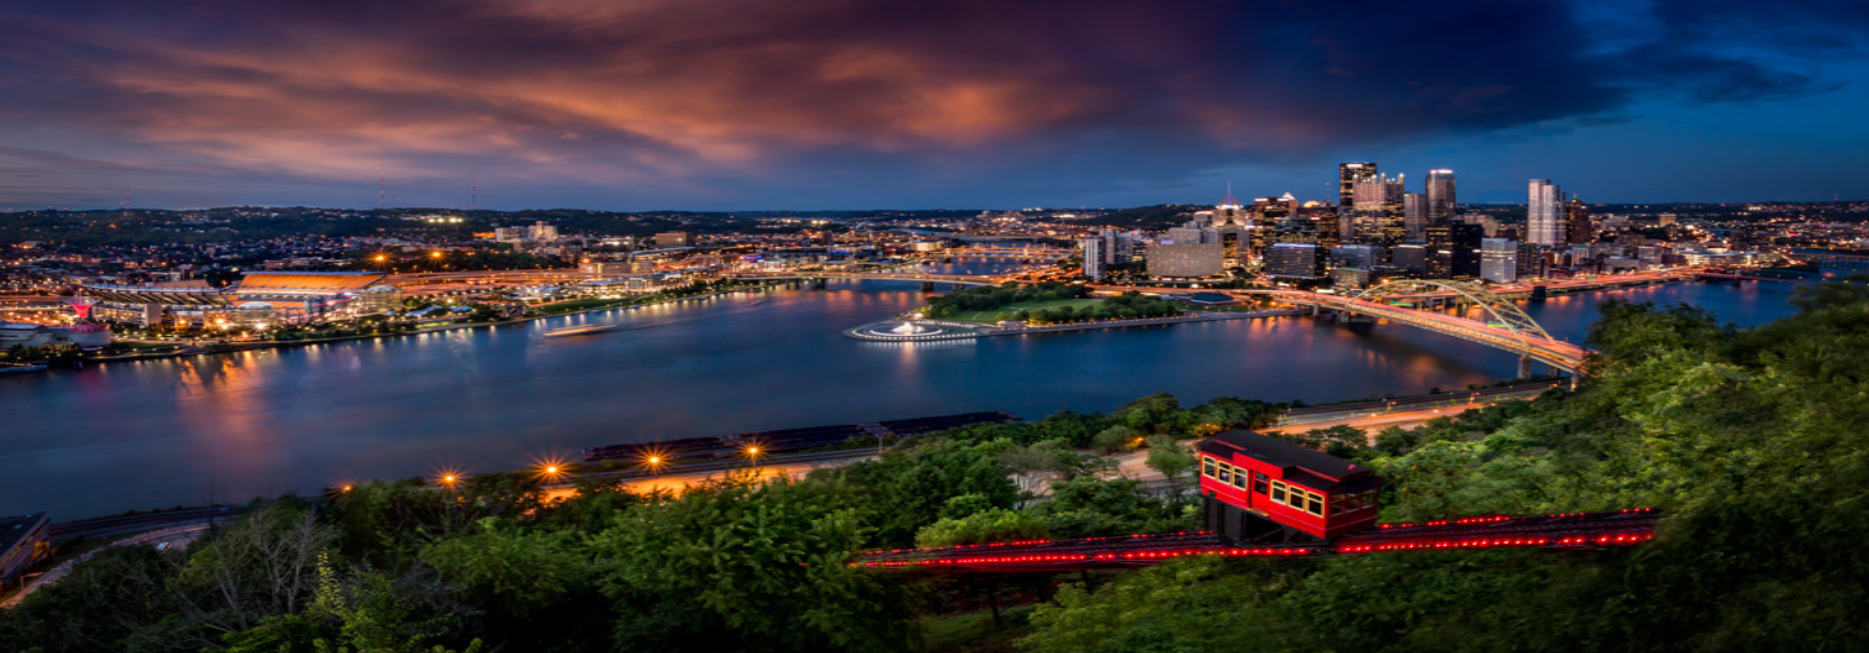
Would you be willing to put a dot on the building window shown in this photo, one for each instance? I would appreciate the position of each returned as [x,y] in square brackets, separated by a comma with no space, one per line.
[1207,467]
[1239,478]
[1226,473]
[1259,482]
[1278,492]
[1314,504]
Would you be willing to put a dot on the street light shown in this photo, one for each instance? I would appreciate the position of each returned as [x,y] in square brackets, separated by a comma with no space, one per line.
[552,470]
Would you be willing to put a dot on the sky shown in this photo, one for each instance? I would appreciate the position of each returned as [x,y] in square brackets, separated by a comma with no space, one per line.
[857,104]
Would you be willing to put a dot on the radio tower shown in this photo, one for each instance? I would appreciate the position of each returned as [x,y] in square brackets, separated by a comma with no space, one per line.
[473,194]
[382,189]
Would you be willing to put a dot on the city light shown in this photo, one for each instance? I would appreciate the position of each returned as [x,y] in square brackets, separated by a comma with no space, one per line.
[551,470]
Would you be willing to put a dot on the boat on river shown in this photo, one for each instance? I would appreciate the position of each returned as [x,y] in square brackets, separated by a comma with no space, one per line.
[580,330]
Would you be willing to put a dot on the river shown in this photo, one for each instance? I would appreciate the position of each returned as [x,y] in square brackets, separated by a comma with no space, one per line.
[153,434]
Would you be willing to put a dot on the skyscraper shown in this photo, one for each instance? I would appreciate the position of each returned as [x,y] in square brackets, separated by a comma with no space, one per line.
[1499,260]
[1093,256]
[1193,233]
[1377,212]
[1440,195]
[1578,229]
[1230,212]
[1544,213]
[1347,176]
[1415,215]
[1453,250]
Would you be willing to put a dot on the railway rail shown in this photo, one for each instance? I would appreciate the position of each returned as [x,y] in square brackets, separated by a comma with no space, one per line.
[1580,530]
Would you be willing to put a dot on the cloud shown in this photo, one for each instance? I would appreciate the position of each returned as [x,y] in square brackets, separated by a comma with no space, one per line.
[672,98]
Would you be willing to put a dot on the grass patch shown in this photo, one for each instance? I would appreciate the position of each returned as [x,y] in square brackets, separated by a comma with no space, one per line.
[1005,312]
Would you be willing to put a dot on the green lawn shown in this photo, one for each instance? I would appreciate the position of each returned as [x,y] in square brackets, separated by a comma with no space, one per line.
[989,317]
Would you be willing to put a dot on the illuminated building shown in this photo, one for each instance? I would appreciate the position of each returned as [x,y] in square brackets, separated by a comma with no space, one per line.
[1193,233]
[1544,213]
[669,239]
[259,298]
[1294,261]
[1414,215]
[1499,260]
[1440,196]
[1411,257]
[1377,215]
[1356,256]
[1453,250]
[1092,249]
[84,336]
[1348,175]
[1232,226]
[1193,259]
[1578,230]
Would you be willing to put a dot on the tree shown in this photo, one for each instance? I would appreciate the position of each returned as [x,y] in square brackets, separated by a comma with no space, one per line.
[1194,604]
[1156,413]
[991,525]
[1173,460]
[1114,439]
[1034,466]
[741,567]
[265,564]
[99,604]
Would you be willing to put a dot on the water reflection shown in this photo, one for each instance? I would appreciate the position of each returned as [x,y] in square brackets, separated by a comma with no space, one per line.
[484,399]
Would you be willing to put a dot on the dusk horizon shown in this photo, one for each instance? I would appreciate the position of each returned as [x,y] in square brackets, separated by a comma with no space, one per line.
[842,105]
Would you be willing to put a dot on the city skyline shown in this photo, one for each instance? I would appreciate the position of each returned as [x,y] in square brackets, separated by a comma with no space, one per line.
[952,104]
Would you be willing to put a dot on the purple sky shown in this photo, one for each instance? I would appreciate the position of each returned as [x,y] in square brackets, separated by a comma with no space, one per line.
[700,104]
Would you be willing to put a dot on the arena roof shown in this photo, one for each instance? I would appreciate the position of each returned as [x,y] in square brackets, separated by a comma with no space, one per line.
[164,295]
[266,283]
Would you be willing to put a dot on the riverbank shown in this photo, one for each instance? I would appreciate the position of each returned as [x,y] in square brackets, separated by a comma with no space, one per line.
[936,330]
[237,347]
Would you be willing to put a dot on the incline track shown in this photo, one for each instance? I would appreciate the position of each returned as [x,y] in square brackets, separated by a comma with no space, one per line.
[1560,531]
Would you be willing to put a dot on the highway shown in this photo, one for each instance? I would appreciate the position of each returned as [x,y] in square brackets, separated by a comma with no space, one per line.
[173,536]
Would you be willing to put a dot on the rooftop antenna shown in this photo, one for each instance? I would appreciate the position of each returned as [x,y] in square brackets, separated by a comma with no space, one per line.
[473,194]
[382,188]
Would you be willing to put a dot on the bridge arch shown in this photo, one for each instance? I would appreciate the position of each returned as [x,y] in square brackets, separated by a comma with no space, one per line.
[1500,309]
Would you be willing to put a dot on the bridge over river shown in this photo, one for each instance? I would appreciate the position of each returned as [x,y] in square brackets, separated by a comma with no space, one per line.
[1507,327]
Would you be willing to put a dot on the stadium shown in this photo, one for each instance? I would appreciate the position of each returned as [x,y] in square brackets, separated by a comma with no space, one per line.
[258,300]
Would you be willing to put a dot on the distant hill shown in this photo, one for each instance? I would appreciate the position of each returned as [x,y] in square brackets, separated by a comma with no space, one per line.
[1160,216]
